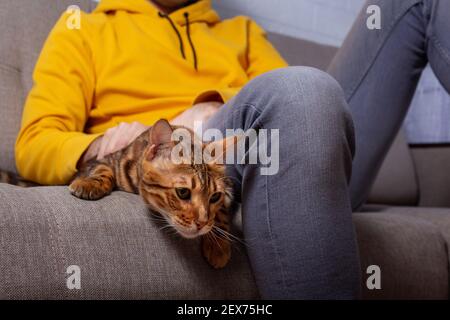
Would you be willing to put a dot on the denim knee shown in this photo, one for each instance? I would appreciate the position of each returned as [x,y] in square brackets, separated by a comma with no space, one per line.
[293,93]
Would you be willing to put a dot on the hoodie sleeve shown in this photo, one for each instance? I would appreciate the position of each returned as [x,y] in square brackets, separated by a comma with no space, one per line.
[51,138]
[262,56]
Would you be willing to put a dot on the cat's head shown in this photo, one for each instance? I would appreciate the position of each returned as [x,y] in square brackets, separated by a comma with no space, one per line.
[187,195]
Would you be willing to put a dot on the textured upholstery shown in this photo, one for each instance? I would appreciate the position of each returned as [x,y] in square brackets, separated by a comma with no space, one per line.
[120,249]
[123,254]
[409,244]
[432,164]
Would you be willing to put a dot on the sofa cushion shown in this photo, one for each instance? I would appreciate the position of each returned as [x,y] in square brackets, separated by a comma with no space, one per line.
[410,250]
[396,182]
[433,173]
[410,244]
[120,249]
[438,217]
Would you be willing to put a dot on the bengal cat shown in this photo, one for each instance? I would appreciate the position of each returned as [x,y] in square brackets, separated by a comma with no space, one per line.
[194,199]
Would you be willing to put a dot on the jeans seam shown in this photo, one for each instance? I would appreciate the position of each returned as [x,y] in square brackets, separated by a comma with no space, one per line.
[383,43]
[246,104]
[440,49]
[268,220]
[233,114]
[272,239]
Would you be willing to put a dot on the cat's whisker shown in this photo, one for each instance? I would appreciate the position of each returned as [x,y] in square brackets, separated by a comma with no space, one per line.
[214,237]
[220,230]
[222,236]
[155,215]
[221,233]
[231,236]
[173,233]
[159,222]
[165,227]
[157,219]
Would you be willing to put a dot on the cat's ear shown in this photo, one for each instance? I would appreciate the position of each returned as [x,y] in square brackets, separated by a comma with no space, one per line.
[161,133]
[150,152]
[217,150]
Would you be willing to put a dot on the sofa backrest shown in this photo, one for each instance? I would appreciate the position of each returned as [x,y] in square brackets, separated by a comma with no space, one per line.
[25,24]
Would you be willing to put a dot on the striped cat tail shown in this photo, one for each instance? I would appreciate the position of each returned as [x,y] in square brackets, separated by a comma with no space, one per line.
[15,179]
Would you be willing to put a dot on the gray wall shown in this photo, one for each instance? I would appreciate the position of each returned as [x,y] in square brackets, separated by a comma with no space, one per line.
[324,21]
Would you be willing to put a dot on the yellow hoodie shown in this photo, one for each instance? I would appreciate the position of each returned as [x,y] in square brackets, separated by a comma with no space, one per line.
[128,63]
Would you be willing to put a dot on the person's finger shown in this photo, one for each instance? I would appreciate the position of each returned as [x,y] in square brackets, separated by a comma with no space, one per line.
[123,140]
[134,136]
[115,137]
[119,137]
[139,128]
[104,144]
[124,136]
[131,132]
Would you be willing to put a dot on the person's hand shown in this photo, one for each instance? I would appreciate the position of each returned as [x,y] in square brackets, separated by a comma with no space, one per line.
[114,139]
[121,136]
[199,112]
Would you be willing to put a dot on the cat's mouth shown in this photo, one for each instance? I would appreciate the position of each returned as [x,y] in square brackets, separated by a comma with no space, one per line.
[188,235]
[188,232]
[191,234]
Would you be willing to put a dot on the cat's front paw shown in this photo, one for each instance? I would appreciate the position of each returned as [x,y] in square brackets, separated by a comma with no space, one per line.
[216,251]
[89,188]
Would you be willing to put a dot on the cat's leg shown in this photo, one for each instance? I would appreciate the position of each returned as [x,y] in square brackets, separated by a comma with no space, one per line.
[216,245]
[95,184]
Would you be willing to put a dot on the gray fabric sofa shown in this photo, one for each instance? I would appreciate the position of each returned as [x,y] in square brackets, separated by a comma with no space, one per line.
[122,253]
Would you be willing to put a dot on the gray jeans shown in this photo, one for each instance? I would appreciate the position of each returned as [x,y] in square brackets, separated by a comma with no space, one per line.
[297,223]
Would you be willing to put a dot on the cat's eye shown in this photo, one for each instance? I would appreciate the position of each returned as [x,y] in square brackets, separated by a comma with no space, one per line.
[183,193]
[215,197]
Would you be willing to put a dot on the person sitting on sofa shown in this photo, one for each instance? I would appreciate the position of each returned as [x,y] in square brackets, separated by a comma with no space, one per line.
[132,62]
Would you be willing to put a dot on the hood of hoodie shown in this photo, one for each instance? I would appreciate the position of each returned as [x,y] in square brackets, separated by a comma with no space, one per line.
[199,11]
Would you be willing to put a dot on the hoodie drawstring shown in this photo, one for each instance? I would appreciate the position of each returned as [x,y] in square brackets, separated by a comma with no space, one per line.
[163,15]
[188,33]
